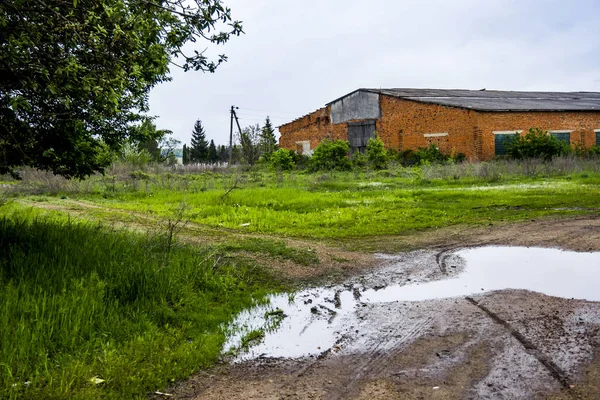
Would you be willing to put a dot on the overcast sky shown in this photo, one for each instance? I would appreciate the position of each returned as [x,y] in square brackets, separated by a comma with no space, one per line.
[298,55]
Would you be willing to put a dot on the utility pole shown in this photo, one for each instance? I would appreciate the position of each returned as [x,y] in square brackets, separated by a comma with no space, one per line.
[231,133]
[238,123]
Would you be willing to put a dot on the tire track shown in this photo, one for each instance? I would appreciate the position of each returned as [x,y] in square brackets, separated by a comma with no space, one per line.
[554,370]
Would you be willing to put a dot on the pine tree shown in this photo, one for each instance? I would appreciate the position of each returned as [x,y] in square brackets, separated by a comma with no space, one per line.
[186,156]
[199,145]
[222,153]
[212,152]
[267,142]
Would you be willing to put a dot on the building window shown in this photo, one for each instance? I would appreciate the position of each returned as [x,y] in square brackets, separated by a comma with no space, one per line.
[501,139]
[303,147]
[597,137]
[563,136]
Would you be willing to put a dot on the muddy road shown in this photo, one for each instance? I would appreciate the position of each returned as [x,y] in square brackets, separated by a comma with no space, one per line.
[369,337]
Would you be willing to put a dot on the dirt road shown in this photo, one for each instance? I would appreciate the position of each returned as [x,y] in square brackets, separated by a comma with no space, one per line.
[508,344]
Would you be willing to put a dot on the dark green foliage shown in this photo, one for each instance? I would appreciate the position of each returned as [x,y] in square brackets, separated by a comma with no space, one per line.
[80,300]
[424,155]
[594,151]
[267,141]
[222,154]
[213,156]
[359,160]
[431,154]
[536,143]
[75,75]
[407,158]
[199,145]
[150,138]
[376,154]
[282,160]
[331,155]
[186,155]
[250,143]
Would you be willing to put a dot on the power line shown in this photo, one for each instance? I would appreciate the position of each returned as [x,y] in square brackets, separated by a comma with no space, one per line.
[267,111]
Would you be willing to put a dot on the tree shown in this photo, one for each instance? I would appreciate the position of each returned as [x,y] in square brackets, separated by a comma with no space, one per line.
[167,147]
[213,157]
[75,75]
[199,145]
[185,155]
[267,143]
[249,141]
[150,138]
[222,154]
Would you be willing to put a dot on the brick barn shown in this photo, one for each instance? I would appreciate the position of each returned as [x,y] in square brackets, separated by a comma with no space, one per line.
[474,122]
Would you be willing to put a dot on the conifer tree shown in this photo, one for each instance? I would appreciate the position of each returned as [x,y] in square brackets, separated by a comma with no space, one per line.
[267,141]
[222,154]
[212,152]
[186,156]
[199,145]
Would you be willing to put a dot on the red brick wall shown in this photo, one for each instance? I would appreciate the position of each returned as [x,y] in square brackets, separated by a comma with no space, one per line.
[314,127]
[404,124]
[581,123]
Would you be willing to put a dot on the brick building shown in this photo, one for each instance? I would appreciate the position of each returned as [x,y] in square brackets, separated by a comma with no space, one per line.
[474,122]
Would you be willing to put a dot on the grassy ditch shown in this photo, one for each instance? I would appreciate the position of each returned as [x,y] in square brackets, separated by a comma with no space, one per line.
[89,312]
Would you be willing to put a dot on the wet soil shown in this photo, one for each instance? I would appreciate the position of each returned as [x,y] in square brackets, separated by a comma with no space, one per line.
[506,344]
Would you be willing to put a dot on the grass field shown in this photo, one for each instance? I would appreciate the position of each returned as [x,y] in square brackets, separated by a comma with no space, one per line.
[82,303]
[92,286]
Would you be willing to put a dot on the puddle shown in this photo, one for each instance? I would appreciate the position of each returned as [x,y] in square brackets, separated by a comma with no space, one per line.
[318,319]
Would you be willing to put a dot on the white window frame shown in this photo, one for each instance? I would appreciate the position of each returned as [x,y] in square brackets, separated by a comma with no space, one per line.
[515,132]
[433,135]
[561,131]
[306,150]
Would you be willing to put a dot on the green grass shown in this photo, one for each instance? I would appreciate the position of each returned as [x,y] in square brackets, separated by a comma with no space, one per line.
[341,206]
[80,301]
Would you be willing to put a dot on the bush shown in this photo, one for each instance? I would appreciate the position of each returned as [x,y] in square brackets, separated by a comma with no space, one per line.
[359,160]
[431,154]
[536,143]
[282,160]
[376,153]
[594,151]
[331,155]
[407,158]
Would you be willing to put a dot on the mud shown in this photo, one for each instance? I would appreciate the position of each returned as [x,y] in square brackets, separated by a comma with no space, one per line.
[504,344]
[501,344]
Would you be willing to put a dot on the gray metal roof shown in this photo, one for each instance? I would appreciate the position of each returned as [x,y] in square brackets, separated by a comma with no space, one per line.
[495,100]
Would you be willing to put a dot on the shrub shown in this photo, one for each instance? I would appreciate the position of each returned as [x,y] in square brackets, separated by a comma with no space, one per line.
[300,160]
[331,155]
[282,160]
[431,154]
[376,153]
[594,151]
[407,158]
[536,143]
[359,160]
